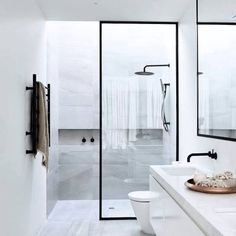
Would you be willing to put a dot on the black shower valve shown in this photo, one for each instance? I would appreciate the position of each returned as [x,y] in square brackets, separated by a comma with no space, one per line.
[84,140]
[92,140]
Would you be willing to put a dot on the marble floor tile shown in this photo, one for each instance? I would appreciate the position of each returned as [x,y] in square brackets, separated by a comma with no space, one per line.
[54,228]
[80,218]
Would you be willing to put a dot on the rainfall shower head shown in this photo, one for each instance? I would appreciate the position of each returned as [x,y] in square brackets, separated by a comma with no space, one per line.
[144,72]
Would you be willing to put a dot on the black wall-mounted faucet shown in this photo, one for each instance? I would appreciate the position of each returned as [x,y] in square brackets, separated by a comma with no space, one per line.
[211,154]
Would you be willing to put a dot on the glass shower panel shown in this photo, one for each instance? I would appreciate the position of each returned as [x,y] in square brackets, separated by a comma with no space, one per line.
[132,126]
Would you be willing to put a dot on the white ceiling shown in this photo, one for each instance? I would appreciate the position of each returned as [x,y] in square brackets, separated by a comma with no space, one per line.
[126,10]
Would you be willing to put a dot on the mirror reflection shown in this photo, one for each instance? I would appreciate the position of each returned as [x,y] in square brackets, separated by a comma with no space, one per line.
[216,69]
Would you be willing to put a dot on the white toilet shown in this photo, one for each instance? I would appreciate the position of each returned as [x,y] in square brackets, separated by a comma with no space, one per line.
[140,201]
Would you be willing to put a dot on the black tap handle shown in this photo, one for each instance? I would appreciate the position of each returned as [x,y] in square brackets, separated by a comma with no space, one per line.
[84,140]
[92,140]
[213,154]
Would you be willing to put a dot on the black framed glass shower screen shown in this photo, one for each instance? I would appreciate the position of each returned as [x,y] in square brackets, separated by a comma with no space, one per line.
[131,127]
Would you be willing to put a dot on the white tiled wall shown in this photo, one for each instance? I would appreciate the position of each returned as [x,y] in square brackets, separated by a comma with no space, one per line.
[78,64]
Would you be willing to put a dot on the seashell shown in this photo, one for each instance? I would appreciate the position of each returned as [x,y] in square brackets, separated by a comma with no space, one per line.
[199,176]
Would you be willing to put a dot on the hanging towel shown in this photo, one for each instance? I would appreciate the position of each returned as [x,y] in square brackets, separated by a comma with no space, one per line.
[43,137]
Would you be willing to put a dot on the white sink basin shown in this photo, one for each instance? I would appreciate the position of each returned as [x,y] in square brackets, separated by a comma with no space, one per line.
[179,170]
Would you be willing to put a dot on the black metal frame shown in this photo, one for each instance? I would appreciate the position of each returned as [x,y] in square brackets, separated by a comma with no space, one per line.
[100,103]
[161,65]
[49,113]
[34,115]
[200,73]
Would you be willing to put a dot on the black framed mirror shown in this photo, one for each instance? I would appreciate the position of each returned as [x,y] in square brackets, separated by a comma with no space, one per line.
[216,40]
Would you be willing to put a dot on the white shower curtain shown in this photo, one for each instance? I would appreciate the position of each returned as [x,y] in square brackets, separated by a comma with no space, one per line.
[121,110]
[115,111]
[154,100]
[133,108]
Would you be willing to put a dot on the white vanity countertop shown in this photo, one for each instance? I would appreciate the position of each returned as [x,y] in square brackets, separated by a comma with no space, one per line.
[201,207]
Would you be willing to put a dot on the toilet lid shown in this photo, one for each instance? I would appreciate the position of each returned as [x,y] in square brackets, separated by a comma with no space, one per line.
[143,196]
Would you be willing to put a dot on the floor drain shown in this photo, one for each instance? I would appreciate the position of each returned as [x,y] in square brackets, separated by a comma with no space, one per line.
[111,208]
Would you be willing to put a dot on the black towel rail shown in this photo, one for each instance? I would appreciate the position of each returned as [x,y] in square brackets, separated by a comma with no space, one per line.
[49,111]
[34,124]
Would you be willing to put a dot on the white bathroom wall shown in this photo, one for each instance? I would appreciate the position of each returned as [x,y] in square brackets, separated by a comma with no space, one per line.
[76,45]
[189,141]
[53,79]
[22,178]
[169,138]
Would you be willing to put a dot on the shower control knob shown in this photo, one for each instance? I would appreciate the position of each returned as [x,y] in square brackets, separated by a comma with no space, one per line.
[84,140]
[92,140]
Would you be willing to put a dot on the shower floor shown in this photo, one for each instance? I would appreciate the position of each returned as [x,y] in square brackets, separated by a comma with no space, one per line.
[80,218]
[117,208]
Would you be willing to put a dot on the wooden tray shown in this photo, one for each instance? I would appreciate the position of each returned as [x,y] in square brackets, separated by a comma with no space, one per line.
[191,185]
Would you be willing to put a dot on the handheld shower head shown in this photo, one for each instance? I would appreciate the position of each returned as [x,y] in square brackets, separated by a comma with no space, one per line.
[162,87]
